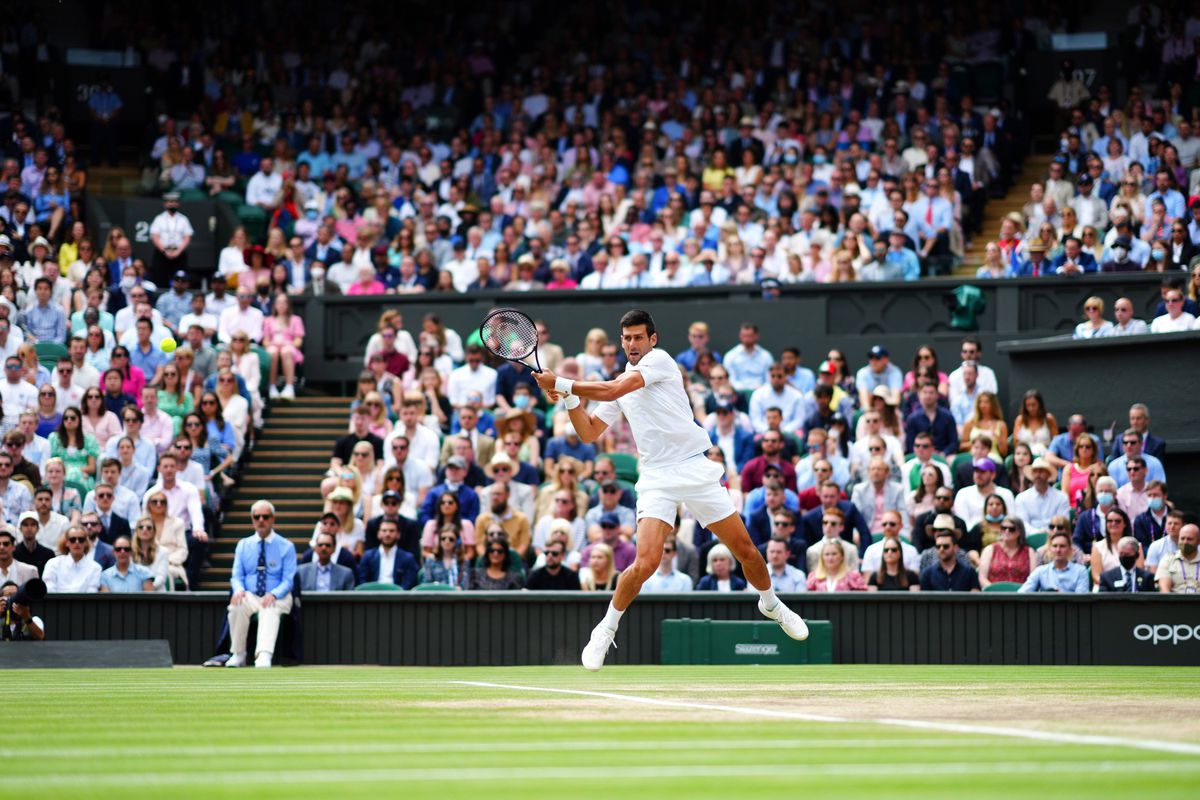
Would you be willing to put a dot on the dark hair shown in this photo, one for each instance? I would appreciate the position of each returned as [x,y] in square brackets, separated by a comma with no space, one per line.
[77,439]
[637,317]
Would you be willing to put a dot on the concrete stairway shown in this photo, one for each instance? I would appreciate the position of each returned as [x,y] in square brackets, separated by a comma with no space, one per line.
[289,460]
[1033,169]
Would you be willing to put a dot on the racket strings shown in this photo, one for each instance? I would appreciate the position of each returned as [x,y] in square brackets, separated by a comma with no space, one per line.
[510,335]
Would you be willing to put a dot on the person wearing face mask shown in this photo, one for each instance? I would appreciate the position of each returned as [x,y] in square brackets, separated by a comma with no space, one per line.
[1180,573]
[1120,260]
[171,233]
[318,285]
[1090,525]
[1128,577]
[1150,525]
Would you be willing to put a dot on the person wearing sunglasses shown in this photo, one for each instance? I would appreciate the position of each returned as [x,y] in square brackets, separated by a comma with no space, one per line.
[891,524]
[264,569]
[1175,319]
[949,574]
[126,577]
[16,393]
[893,575]
[73,570]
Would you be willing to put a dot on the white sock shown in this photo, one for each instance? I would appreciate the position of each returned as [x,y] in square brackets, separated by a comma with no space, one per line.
[612,618]
[769,600]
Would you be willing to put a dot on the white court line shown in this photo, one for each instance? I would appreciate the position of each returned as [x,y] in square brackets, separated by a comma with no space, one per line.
[1157,745]
[609,773]
[376,748]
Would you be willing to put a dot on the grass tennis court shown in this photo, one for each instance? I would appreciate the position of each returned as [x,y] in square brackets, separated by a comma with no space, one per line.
[771,732]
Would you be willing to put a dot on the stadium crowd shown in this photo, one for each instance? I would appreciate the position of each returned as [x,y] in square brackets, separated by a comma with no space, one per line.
[830,151]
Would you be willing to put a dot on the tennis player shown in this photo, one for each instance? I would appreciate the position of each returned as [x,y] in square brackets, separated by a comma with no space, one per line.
[673,469]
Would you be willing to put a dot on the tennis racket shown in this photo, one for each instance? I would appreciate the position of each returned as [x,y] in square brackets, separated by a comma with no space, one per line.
[511,335]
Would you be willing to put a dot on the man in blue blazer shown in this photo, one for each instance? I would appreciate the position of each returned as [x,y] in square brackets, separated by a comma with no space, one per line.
[1073,260]
[743,440]
[374,564]
[829,494]
[1139,420]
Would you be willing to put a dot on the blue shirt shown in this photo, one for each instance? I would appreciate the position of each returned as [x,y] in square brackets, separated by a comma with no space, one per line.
[281,565]
[687,359]
[1154,470]
[128,583]
[173,306]
[868,379]
[748,370]
[47,323]
[962,579]
[558,447]
[1172,199]
[318,164]
[803,379]
[147,362]
[356,163]
[1048,578]
[910,265]
[1062,446]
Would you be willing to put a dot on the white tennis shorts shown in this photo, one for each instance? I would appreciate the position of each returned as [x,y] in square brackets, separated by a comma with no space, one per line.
[696,483]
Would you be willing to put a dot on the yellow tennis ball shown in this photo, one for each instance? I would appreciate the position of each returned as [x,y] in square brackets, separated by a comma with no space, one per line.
[168,345]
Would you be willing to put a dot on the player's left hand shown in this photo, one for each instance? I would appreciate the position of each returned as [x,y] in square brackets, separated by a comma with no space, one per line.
[545,380]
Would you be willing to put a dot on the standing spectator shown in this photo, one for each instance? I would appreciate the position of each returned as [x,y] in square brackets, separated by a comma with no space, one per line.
[171,232]
[264,570]
[1061,574]
[948,574]
[104,108]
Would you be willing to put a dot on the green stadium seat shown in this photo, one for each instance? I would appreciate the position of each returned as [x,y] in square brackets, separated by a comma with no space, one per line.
[375,586]
[959,460]
[49,353]
[434,587]
[1035,540]
[264,365]
[1003,586]
[626,466]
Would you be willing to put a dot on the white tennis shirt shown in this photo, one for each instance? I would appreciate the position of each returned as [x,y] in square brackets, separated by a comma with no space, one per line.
[659,414]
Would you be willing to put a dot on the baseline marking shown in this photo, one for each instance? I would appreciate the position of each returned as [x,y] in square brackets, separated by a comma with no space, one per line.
[1156,745]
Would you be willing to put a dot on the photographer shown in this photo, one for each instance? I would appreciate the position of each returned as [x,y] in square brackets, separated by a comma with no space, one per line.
[17,623]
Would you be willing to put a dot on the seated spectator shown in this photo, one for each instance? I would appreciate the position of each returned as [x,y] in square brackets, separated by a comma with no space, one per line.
[29,550]
[1150,525]
[609,498]
[600,574]
[389,506]
[496,574]
[514,522]
[1127,576]
[830,571]
[948,574]
[555,576]
[1132,445]
[1133,497]
[73,571]
[719,575]
[968,503]
[772,455]
[1094,326]
[920,500]
[893,575]
[322,574]
[125,576]
[1009,559]
[785,578]
[569,444]
[450,562]
[388,563]
[1061,574]
[565,479]
[933,419]
[1176,319]
[878,495]
[623,552]
[1037,504]
[1180,573]
[890,526]
[455,475]
[12,569]
[1168,544]
[1126,324]
[833,527]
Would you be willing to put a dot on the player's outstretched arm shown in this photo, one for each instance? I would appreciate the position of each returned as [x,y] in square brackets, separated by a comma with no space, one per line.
[604,391]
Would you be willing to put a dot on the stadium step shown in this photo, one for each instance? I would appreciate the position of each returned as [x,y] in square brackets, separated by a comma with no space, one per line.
[290,458]
[1033,169]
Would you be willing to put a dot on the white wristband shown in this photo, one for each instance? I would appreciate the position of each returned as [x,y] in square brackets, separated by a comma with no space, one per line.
[563,385]
[572,402]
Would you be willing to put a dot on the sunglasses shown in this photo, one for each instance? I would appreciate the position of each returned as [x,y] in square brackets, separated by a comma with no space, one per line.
[76,539]
[944,546]
[831,522]
[261,516]
[145,527]
[122,549]
[891,549]
[495,551]
[1007,528]
[158,501]
[890,524]
[448,538]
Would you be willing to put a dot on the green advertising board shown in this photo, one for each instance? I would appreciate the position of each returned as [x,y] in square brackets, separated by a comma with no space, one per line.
[706,641]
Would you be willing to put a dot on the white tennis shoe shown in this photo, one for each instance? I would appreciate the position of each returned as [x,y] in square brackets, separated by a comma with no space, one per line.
[597,648]
[791,622]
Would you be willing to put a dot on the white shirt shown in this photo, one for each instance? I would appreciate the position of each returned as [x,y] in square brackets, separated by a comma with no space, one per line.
[64,574]
[465,380]
[674,581]
[659,414]
[207,321]
[872,559]
[51,530]
[37,450]
[387,564]
[1133,327]
[1164,324]
[1037,509]
[17,397]
[18,573]
[968,503]
[789,401]
[65,398]
[235,319]
[343,274]
[423,445]
[172,229]
[263,188]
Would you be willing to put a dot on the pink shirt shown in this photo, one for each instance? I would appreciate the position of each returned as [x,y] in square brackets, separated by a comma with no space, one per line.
[375,287]
[159,429]
[235,319]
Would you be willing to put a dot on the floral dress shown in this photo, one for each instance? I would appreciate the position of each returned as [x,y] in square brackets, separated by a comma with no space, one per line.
[75,459]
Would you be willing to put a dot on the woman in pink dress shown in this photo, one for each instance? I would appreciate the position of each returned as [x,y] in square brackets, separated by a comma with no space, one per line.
[283,335]
[833,574]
